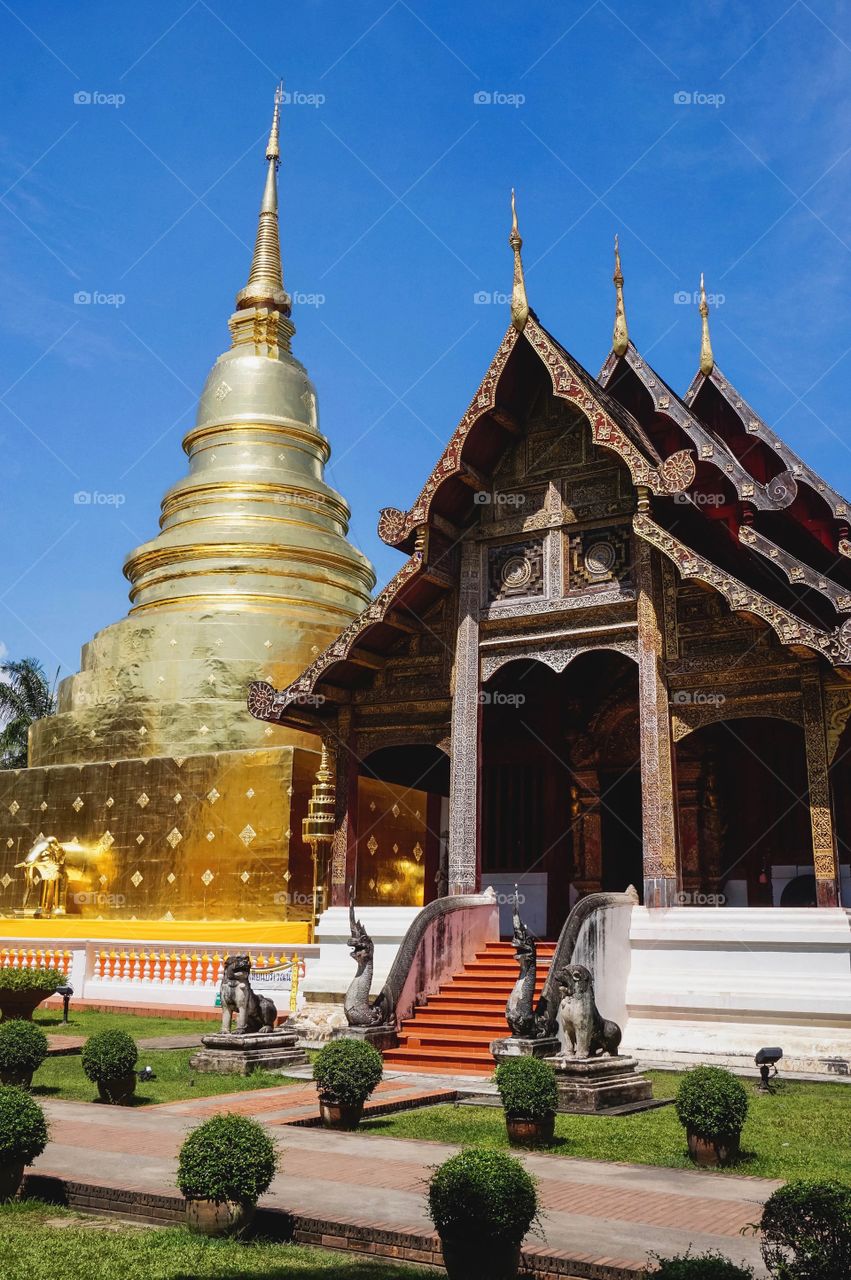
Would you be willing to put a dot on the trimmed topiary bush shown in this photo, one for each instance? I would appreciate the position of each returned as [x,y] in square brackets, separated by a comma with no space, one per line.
[46,980]
[23,1048]
[229,1157]
[23,1128]
[806,1231]
[712,1103]
[527,1087]
[346,1071]
[109,1055]
[703,1266]
[22,990]
[483,1195]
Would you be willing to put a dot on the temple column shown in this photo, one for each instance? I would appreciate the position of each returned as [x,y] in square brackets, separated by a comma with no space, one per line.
[825,861]
[464,858]
[658,805]
[344,843]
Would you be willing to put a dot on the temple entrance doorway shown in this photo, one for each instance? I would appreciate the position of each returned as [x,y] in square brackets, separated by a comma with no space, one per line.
[402,822]
[743,815]
[560,785]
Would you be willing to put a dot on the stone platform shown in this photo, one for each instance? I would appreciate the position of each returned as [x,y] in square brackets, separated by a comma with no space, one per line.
[590,1085]
[518,1047]
[381,1037]
[239,1055]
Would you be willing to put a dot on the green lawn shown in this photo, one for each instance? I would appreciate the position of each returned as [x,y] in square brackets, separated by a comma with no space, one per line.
[84,1022]
[63,1077]
[802,1131]
[40,1242]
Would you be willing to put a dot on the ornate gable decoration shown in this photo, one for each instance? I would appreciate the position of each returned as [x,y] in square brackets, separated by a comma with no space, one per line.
[780,491]
[834,645]
[797,470]
[674,475]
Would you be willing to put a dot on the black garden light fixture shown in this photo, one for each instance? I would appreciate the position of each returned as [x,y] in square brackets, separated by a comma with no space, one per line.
[767,1060]
[66,993]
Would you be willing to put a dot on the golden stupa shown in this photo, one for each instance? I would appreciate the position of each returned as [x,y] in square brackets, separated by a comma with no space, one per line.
[191,807]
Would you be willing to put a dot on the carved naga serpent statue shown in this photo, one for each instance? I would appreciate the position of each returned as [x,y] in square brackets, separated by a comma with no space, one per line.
[520,1010]
[356,1005]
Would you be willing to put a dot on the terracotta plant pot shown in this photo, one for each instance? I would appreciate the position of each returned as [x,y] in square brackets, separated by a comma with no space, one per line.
[530,1133]
[340,1115]
[480,1259]
[711,1152]
[21,1004]
[23,1079]
[218,1217]
[11,1177]
[118,1090]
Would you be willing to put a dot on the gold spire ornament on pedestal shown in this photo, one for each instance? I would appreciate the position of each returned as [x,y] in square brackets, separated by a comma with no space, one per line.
[620,335]
[318,831]
[707,359]
[519,302]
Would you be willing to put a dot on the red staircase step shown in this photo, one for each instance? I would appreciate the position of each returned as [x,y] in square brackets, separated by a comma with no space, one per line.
[452,1031]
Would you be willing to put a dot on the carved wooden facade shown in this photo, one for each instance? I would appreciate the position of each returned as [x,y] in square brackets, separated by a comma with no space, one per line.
[649,571]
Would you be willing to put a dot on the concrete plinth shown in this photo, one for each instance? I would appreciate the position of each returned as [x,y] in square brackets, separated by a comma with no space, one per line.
[517,1047]
[238,1055]
[600,1084]
[382,1037]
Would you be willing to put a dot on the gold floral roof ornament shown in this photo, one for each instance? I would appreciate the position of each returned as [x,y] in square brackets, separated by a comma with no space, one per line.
[707,359]
[620,334]
[519,301]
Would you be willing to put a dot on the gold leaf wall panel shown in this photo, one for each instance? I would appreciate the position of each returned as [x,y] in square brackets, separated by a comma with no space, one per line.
[206,837]
[391,843]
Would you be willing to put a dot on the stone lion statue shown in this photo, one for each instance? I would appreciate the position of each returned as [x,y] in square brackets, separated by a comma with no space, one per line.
[253,1012]
[580,1023]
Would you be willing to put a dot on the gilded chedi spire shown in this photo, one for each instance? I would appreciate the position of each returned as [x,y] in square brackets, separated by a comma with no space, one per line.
[251,571]
[519,302]
[265,287]
[707,359]
[620,335]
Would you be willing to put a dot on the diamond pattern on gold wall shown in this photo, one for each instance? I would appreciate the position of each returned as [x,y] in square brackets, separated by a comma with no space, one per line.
[234,853]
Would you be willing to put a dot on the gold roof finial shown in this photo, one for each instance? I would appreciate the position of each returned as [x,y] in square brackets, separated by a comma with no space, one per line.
[620,336]
[519,302]
[265,287]
[707,360]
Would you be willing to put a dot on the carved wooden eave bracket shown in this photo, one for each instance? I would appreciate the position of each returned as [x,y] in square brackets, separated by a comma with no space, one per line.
[797,573]
[780,492]
[834,645]
[668,476]
[754,425]
[267,703]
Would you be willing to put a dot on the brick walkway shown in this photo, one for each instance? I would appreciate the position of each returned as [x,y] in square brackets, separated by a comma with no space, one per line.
[601,1217]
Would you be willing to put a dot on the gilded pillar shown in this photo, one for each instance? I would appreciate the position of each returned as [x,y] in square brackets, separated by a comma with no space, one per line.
[821,819]
[464,861]
[658,812]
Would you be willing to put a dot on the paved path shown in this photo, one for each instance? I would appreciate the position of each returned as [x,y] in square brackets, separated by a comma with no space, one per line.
[592,1210]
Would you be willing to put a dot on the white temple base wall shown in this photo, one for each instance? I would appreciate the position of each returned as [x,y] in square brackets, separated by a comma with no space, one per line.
[717,984]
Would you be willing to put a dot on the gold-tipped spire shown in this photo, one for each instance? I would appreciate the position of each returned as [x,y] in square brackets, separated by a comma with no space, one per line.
[519,302]
[707,360]
[265,287]
[620,335]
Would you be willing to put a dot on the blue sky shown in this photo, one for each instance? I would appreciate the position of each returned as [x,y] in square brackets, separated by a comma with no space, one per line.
[394,185]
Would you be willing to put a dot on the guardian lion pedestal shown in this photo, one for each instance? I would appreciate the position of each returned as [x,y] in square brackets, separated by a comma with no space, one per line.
[587,1085]
[238,1055]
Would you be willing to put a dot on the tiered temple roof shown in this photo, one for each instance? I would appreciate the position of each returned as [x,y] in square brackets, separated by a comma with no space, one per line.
[718,492]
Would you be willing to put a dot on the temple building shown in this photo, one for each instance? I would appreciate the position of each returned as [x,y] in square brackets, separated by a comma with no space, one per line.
[617,652]
[172,804]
